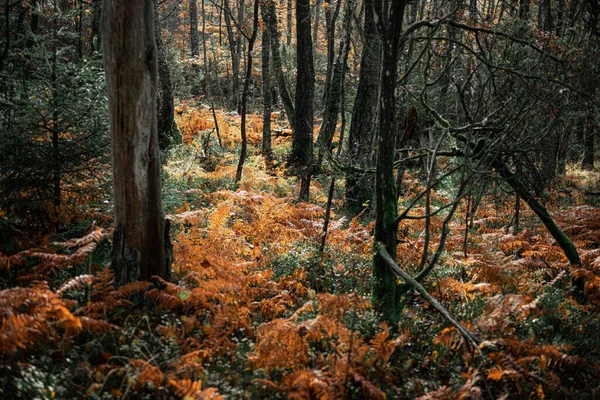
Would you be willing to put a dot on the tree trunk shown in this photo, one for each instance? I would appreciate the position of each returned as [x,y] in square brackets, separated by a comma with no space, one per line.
[289,22]
[334,90]
[141,239]
[166,104]
[316,27]
[7,35]
[408,131]
[560,17]
[546,24]
[207,79]
[563,152]
[524,10]
[35,22]
[238,174]
[56,177]
[588,151]
[363,126]
[267,150]
[561,239]
[302,142]
[473,11]
[234,49]
[282,85]
[331,14]
[385,291]
[194,28]
[96,37]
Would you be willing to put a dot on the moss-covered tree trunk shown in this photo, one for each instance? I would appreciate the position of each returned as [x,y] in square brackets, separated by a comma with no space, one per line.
[538,208]
[385,290]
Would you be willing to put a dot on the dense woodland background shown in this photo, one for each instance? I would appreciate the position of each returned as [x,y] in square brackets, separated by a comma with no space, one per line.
[359,199]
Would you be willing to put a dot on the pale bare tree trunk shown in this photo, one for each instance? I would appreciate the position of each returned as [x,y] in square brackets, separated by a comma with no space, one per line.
[141,239]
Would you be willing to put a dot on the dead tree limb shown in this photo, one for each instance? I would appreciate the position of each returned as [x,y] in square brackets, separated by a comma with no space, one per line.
[471,338]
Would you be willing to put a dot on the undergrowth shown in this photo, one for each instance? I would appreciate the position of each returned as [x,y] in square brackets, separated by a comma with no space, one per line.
[256,311]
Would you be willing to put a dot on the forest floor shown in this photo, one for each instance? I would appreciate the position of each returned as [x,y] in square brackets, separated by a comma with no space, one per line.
[255,311]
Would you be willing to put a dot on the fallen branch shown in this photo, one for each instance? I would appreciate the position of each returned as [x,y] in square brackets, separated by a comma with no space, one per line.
[469,337]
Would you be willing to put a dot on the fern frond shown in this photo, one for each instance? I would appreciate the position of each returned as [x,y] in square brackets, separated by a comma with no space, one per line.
[96,325]
[133,287]
[165,300]
[75,283]
[189,389]
[95,236]
[369,390]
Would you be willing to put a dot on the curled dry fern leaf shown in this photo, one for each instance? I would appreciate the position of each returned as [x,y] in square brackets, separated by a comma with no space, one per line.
[95,236]
[75,283]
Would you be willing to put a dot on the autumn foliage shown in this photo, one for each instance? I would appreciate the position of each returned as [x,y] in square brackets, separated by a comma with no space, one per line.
[255,311]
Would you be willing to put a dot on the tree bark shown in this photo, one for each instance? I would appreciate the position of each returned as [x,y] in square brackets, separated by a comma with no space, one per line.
[546,24]
[524,10]
[194,28]
[284,92]
[561,239]
[289,22]
[207,79]
[331,14]
[560,17]
[267,150]
[141,240]
[96,36]
[234,49]
[413,283]
[386,295]
[363,126]
[588,150]
[166,102]
[56,157]
[316,27]
[238,174]
[302,142]
[334,90]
